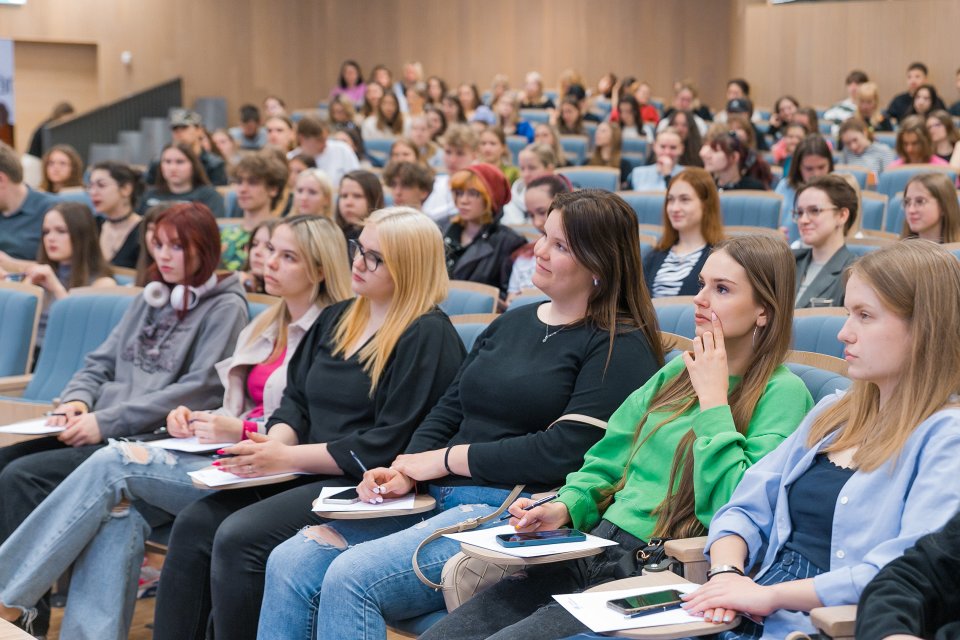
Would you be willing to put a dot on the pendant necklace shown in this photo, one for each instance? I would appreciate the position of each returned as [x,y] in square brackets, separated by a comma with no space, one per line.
[547,334]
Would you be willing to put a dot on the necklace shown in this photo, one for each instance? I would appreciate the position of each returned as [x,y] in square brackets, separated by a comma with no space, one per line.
[547,334]
[122,218]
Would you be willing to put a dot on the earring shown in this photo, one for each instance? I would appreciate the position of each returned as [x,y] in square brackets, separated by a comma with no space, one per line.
[596,282]
[753,342]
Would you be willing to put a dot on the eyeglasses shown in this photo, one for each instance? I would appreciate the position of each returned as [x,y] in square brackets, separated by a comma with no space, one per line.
[812,212]
[371,259]
[471,194]
[919,201]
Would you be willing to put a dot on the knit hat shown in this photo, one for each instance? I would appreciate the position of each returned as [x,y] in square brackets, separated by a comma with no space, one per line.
[495,183]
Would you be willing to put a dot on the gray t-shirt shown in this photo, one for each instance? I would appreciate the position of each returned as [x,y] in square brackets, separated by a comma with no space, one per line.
[812,271]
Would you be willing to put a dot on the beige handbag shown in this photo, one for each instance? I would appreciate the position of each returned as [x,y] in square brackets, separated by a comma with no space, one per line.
[463,577]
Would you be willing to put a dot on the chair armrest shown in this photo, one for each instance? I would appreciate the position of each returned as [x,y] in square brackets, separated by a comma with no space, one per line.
[686,549]
[14,385]
[836,622]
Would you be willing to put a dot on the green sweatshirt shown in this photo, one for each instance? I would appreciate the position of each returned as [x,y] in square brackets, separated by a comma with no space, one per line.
[721,453]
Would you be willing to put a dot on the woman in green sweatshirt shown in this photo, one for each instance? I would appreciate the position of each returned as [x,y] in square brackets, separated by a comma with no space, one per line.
[673,452]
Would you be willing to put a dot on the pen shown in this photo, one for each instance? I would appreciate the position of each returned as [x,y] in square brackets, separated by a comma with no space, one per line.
[539,502]
[52,414]
[357,460]
[160,430]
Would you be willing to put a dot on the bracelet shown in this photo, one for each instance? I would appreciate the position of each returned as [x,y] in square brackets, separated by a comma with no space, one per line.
[446,461]
[248,426]
[724,568]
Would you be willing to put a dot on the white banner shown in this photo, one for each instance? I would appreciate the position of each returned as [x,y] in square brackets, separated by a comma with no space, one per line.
[7,117]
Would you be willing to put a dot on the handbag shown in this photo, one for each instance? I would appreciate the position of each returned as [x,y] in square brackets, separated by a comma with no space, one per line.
[463,577]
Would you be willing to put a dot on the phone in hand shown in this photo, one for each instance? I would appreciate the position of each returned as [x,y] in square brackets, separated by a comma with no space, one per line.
[647,604]
[347,496]
[534,538]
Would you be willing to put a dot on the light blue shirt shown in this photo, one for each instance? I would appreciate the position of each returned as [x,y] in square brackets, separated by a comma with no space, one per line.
[786,213]
[877,516]
[647,178]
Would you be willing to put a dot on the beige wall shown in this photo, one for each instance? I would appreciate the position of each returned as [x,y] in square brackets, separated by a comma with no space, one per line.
[243,49]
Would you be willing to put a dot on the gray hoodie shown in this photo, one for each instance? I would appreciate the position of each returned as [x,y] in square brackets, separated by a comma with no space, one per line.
[152,361]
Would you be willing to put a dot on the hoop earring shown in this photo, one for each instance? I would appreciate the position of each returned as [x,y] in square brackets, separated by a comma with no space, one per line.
[753,341]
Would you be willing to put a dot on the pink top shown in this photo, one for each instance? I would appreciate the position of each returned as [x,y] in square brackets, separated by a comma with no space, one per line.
[899,162]
[257,380]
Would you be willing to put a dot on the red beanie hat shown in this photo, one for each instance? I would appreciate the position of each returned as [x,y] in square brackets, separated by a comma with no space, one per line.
[495,182]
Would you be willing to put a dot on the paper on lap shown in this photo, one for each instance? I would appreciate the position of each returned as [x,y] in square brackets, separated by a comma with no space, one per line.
[36,427]
[591,609]
[403,502]
[487,539]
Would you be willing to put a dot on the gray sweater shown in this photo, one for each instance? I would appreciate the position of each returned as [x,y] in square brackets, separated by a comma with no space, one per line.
[152,362]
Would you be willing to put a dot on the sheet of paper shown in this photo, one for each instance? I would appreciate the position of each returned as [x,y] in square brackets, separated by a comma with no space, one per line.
[37,427]
[213,477]
[591,609]
[403,502]
[188,445]
[487,539]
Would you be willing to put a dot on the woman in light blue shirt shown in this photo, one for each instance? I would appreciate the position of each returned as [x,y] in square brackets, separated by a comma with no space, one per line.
[884,454]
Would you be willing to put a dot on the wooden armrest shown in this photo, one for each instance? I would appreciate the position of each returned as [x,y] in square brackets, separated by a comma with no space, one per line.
[686,549]
[836,622]
[14,385]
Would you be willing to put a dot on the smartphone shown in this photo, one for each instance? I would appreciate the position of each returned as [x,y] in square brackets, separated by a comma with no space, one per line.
[15,277]
[647,604]
[347,496]
[533,538]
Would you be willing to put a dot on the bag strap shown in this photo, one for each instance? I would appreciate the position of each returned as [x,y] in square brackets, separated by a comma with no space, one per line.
[473,523]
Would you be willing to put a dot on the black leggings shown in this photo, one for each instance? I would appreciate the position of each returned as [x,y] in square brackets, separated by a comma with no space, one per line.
[216,562]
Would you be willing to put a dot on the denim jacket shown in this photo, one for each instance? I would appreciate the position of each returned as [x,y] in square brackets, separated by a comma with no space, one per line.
[877,516]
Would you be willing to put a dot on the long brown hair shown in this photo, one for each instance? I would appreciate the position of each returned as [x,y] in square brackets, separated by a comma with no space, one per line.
[86,262]
[75,179]
[918,281]
[616,148]
[711,222]
[771,270]
[945,195]
[601,229]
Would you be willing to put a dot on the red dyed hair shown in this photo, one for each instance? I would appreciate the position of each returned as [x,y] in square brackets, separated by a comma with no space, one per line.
[194,226]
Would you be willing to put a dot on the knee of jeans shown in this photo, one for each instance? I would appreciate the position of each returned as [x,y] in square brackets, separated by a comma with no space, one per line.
[325,535]
[136,453]
[235,536]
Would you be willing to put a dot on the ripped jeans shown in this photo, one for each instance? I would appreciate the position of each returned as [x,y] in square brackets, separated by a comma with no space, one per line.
[81,523]
[345,579]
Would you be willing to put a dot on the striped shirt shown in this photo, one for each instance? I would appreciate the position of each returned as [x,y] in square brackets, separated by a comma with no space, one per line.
[672,272]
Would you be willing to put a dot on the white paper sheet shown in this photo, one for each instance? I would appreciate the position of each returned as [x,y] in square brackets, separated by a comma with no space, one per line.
[403,502]
[188,445]
[487,539]
[36,427]
[591,609]
[213,477]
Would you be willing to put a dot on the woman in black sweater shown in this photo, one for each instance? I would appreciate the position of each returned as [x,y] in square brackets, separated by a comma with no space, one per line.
[361,381]
[582,352]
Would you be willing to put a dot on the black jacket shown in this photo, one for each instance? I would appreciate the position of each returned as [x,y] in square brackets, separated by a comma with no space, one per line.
[487,259]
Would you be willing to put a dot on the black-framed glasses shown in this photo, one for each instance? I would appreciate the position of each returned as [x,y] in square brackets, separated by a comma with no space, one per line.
[812,212]
[371,259]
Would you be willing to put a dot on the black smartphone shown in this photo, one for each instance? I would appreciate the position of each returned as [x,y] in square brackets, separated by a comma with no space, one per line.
[533,538]
[647,604]
[347,496]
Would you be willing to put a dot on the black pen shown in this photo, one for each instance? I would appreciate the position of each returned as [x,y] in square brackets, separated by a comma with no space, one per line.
[530,506]
[357,460]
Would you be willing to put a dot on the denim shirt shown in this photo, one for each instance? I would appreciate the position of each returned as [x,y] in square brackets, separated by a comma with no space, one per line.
[877,516]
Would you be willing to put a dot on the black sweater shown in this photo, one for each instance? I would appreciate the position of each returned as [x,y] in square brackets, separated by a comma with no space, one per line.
[327,398]
[919,593]
[513,385]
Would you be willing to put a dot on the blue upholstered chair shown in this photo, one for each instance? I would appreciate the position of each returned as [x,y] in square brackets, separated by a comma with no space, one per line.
[675,315]
[78,195]
[20,306]
[470,297]
[815,330]
[516,144]
[751,208]
[893,223]
[534,116]
[635,145]
[378,149]
[606,178]
[648,205]
[892,181]
[472,325]
[575,148]
[862,174]
[873,210]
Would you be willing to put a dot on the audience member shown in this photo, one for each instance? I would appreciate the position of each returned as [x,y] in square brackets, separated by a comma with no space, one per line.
[914,145]
[21,211]
[60,111]
[538,196]
[901,104]
[386,123]
[536,160]
[349,83]
[783,111]
[62,170]
[250,134]
[493,150]
[667,150]
[811,158]
[186,127]
[333,157]
[281,134]
[360,194]
[533,96]
[261,179]
[944,137]
[607,152]
[930,208]
[181,178]
[868,108]
[113,189]
[724,156]
[860,149]
[410,183]
[925,101]
[460,149]
[847,107]
[313,194]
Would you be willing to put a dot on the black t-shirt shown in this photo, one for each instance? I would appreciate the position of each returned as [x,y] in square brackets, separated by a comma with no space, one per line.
[327,398]
[514,384]
[746,182]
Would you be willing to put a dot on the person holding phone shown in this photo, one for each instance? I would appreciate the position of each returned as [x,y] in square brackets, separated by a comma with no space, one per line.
[365,375]
[673,453]
[876,455]
[581,352]
[306,268]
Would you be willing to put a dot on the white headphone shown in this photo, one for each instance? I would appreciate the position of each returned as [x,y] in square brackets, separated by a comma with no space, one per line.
[157,294]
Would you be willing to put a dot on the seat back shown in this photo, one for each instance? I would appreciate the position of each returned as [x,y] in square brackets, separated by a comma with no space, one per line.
[606,178]
[893,223]
[378,149]
[76,195]
[823,375]
[20,306]
[873,210]
[470,297]
[470,326]
[816,330]
[862,174]
[676,317]
[516,144]
[648,205]
[575,148]
[751,208]
[77,325]
[535,115]
[636,146]
[893,181]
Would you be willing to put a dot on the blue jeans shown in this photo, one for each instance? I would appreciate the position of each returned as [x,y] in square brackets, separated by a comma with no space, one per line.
[79,524]
[318,589]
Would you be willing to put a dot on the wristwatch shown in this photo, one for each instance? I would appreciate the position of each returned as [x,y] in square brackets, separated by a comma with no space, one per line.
[724,568]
